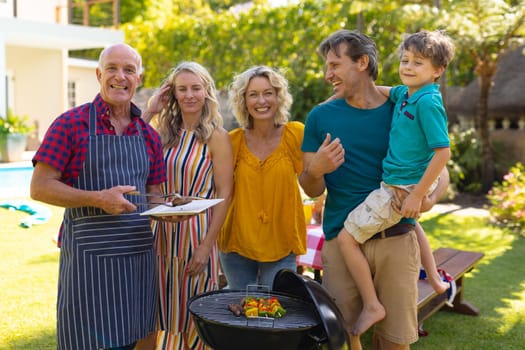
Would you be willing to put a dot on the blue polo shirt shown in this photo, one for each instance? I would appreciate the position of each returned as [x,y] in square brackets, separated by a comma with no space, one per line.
[419,125]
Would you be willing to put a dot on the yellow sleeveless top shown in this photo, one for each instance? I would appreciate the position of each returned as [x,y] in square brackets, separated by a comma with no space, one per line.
[265,221]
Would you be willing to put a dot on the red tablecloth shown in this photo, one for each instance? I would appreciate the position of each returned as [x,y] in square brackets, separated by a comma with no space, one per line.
[314,244]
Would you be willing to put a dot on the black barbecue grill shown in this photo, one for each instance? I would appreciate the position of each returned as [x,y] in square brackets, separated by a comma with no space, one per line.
[312,320]
[213,306]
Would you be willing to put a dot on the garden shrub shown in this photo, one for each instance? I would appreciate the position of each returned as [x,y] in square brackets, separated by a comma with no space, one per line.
[465,162]
[507,199]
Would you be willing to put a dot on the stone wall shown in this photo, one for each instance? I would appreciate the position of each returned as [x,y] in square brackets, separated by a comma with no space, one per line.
[510,132]
[513,141]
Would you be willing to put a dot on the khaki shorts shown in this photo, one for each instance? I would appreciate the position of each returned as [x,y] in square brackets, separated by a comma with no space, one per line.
[375,213]
[395,264]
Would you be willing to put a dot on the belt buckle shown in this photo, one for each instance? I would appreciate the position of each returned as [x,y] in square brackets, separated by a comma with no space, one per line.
[383,234]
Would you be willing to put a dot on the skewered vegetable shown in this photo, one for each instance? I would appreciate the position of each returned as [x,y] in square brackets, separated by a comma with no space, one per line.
[263,307]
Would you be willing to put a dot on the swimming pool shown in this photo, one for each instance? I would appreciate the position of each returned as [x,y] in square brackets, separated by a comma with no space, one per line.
[15,180]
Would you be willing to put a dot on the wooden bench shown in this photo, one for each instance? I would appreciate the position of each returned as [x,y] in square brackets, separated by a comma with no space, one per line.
[456,263]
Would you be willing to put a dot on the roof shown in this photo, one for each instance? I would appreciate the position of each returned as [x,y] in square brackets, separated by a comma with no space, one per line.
[25,33]
[506,96]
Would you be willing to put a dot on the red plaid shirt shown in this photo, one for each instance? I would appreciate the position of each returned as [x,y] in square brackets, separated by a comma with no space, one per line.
[66,141]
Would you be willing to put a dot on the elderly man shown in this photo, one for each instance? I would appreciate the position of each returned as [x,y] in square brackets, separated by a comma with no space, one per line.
[91,156]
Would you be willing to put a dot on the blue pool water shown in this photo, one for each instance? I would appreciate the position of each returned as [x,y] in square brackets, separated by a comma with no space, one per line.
[15,180]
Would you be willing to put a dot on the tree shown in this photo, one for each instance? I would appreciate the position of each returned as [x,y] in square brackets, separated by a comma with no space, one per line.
[286,37]
[486,29]
[227,42]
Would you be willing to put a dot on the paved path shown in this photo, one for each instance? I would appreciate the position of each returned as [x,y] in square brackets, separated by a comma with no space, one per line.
[459,210]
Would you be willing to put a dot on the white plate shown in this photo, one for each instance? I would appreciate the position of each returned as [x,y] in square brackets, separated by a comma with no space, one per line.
[194,207]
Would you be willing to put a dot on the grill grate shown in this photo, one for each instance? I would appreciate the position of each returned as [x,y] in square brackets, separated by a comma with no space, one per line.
[214,308]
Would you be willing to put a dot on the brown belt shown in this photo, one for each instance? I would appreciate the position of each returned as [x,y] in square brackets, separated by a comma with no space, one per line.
[396,230]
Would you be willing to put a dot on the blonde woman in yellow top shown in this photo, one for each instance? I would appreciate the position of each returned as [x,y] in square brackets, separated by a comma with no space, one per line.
[265,227]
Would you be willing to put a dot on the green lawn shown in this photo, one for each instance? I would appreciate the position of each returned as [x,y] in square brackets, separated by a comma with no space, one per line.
[28,285]
[496,286]
[29,265]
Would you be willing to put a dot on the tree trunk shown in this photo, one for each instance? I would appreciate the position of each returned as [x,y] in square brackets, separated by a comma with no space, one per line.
[487,162]
[360,22]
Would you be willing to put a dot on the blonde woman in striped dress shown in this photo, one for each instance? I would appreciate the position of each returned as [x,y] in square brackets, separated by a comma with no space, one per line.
[198,155]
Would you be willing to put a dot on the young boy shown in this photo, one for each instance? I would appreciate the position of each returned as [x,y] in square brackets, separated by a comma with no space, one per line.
[418,152]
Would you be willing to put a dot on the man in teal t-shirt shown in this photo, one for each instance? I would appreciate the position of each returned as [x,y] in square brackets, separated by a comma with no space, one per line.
[344,144]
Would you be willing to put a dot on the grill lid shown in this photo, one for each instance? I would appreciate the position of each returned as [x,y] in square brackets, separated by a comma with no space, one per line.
[289,282]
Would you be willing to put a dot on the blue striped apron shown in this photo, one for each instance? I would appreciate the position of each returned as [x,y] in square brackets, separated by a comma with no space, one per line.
[107,282]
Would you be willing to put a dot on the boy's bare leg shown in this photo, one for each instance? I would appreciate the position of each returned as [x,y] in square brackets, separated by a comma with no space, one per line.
[373,311]
[428,262]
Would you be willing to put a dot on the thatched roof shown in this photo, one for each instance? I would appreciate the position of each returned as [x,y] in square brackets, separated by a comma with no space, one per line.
[507,95]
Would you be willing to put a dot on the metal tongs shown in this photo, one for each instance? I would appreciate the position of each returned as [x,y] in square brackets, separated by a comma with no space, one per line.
[178,199]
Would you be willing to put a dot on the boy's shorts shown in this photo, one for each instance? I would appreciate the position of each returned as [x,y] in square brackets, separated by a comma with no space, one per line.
[375,213]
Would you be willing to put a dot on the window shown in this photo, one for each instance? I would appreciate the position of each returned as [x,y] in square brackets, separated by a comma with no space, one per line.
[71,94]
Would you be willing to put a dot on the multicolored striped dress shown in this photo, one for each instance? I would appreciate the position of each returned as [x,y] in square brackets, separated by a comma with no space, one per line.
[190,173]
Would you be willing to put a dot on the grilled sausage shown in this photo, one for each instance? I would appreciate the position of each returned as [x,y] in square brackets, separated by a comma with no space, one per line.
[236,309]
[180,201]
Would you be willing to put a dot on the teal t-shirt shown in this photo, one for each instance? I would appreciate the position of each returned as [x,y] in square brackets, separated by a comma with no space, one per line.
[419,125]
[364,135]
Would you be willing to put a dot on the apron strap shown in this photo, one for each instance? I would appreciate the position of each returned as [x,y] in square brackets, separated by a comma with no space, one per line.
[92,120]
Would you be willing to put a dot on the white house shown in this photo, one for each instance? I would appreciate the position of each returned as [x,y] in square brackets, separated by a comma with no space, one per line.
[37,78]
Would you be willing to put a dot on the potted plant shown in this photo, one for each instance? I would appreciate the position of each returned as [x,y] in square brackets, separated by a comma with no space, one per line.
[13,136]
